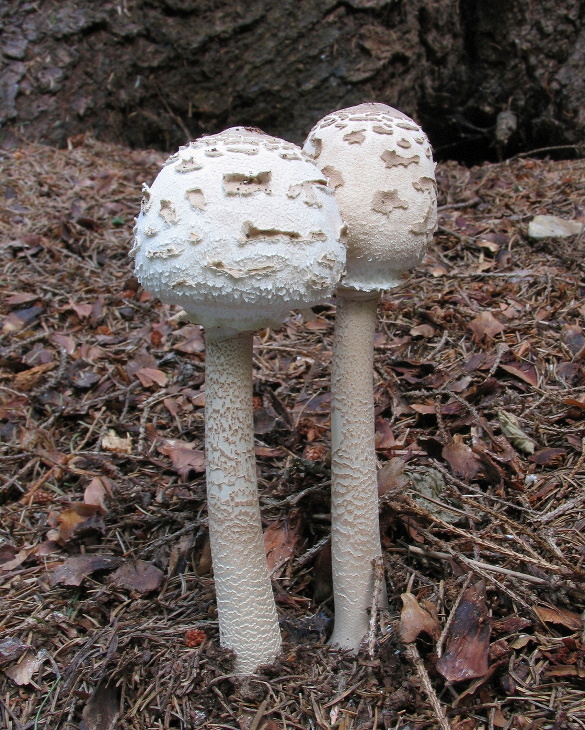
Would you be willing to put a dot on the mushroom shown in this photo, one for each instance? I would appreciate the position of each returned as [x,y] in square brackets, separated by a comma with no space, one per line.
[238,229]
[380,163]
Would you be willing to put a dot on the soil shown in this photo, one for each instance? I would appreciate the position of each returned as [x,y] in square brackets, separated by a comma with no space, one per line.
[157,73]
[107,598]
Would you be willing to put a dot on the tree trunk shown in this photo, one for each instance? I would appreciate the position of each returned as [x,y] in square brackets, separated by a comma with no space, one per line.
[158,72]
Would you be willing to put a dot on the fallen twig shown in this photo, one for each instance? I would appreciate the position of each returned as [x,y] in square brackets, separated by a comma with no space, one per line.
[414,657]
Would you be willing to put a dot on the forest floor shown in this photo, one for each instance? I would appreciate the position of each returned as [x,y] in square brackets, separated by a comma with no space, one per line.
[107,612]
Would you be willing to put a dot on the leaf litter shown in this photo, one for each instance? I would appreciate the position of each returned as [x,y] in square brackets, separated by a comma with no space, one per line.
[107,603]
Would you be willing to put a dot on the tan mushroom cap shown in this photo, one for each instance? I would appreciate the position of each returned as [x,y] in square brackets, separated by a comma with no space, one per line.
[239,228]
[381,165]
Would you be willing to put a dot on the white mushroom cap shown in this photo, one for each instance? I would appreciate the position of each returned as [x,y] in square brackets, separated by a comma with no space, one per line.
[239,228]
[380,163]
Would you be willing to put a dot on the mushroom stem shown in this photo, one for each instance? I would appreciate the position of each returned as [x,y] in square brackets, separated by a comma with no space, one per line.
[248,623]
[355,531]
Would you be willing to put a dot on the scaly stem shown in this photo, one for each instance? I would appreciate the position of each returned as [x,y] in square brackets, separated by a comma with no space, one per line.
[355,531]
[248,623]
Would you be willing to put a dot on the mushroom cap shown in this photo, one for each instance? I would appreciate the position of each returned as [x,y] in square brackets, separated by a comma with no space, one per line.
[381,165]
[239,228]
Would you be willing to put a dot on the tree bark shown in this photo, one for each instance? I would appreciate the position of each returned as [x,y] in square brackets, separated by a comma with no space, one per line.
[158,72]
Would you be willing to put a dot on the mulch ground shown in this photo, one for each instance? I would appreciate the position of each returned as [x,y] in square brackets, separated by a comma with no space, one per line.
[107,612]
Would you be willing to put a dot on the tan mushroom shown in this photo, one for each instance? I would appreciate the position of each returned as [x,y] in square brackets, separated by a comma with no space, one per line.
[238,229]
[380,163]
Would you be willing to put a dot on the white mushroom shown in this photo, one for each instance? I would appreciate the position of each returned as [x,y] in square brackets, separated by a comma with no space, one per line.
[380,163]
[238,228]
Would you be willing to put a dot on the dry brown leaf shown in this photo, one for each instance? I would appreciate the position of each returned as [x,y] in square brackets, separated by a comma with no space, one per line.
[180,555]
[265,420]
[90,353]
[102,709]
[468,638]
[204,563]
[572,336]
[498,650]
[463,462]
[7,552]
[74,570]
[142,359]
[20,298]
[510,310]
[184,456]
[26,379]
[485,326]
[269,452]
[24,670]
[439,270]
[510,624]
[384,436]
[11,649]
[523,370]
[459,386]
[49,546]
[68,521]
[20,319]
[483,265]
[151,376]
[565,670]
[554,615]
[19,558]
[198,400]
[77,521]
[172,406]
[280,540]
[548,457]
[490,246]
[317,325]
[313,404]
[83,311]
[96,492]
[193,342]
[576,402]
[466,723]
[522,641]
[391,476]
[414,619]
[65,341]
[452,408]
[499,719]
[322,574]
[423,330]
[138,576]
